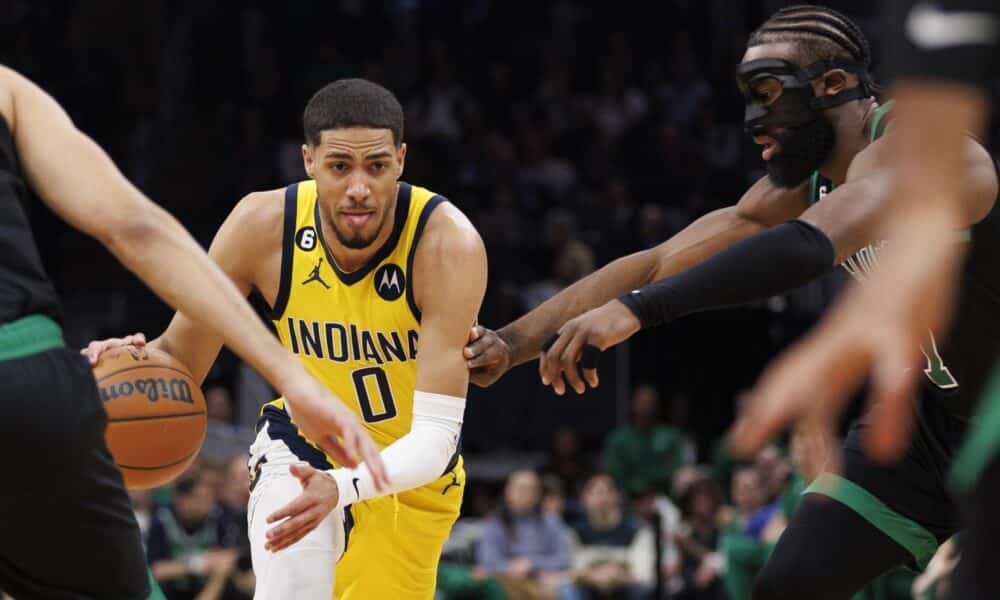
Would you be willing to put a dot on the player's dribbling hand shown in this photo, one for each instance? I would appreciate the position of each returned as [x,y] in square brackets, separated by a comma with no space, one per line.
[600,328]
[487,356]
[94,349]
[303,514]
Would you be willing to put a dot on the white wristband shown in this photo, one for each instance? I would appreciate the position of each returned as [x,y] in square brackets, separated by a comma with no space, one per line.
[347,486]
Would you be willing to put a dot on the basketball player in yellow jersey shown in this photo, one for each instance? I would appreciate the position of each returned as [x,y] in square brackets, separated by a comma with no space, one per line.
[374,284]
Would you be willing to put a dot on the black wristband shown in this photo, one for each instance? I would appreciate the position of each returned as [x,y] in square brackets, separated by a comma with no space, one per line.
[639,307]
[769,263]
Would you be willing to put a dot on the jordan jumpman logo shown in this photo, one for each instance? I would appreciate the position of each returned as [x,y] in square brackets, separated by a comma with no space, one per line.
[314,275]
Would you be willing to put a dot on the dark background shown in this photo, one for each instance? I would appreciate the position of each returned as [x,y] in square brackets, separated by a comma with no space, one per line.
[570,132]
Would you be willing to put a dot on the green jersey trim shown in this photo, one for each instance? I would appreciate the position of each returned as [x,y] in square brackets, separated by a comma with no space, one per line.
[155,593]
[880,114]
[982,445]
[29,335]
[906,532]
[816,181]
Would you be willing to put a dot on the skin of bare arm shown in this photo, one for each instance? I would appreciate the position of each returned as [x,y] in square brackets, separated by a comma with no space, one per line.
[88,192]
[851,217]
[247,248]
[490,354]
[449,297]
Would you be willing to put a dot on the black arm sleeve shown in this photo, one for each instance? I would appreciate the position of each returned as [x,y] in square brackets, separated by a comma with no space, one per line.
[771,262]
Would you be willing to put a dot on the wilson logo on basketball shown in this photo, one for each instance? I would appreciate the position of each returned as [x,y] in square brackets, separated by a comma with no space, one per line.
[156,389]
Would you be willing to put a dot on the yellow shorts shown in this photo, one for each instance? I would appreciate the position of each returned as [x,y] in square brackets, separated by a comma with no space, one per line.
[394,542]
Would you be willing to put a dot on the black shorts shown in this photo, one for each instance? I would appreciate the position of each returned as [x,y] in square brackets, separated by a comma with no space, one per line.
[947,40]
[67,530]
[910,501]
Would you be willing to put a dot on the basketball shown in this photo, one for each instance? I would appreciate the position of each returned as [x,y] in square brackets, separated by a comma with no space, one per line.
[156,414]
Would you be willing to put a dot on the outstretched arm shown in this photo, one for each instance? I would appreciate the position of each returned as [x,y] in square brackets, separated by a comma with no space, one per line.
[255,222]
[769,263]
[764,205]
[449,275]
[78,181]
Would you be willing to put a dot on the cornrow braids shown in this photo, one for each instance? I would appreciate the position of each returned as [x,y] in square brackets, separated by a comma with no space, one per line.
[819,33]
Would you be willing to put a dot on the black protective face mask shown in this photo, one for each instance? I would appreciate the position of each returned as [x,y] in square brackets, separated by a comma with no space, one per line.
[804,149]
[797,104]
[796,117]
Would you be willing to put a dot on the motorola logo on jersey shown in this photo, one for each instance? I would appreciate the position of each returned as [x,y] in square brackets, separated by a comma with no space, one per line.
[306,238]
[390,282]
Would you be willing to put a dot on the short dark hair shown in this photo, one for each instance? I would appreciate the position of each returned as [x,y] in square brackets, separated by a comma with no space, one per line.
[187,483]
[818,32]
[352,103]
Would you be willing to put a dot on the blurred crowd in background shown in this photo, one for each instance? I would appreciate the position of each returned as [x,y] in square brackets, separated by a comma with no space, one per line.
[571,133]
[641,519]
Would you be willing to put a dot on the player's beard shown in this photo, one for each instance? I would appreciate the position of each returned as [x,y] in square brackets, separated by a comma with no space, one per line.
[355,240]
[803,150]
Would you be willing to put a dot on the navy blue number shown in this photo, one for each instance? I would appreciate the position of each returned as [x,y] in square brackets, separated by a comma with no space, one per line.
[382,381]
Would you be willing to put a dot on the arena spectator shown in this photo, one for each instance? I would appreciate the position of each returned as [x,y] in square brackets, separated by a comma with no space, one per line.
[643,455]
[614,556]
[189,544]
[752,527]
[222,435]
[527,548]
[698,539]
[567,459]
[233,498]
[554,497]
[143,506]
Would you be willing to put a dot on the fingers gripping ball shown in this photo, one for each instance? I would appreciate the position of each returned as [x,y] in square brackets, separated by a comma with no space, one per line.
[156,414]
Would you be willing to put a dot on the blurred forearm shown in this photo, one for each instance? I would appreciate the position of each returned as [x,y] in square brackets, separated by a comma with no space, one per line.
[183,282]
[691,246]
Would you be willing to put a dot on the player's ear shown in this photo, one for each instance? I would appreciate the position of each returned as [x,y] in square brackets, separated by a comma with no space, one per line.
[401,159]
[307,160]
[832,82]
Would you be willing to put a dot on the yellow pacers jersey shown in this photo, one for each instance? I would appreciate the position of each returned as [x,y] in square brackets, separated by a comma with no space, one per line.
[355,332]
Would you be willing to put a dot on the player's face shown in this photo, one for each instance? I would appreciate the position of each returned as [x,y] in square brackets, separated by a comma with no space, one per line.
[523,491]
[791,154]
[747,490]
[703,503]
[356,171]
[194,507]
[645,405]
[600,495]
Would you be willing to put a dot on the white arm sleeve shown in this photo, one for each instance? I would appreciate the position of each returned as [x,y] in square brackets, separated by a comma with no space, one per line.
[417,458]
